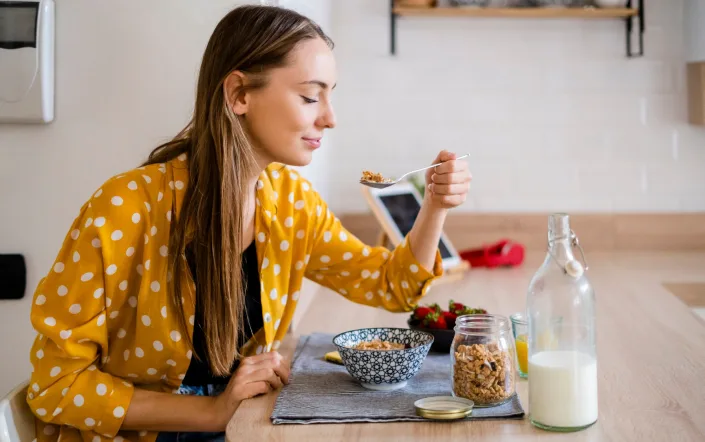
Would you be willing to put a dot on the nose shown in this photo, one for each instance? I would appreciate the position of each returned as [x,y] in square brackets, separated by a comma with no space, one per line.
[327,118]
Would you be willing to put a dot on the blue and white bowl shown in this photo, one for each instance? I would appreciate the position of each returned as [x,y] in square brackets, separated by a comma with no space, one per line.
[383,369]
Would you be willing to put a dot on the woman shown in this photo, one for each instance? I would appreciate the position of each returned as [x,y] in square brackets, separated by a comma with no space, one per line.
[182,276]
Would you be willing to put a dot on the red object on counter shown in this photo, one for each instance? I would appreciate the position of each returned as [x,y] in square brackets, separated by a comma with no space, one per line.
[503,253]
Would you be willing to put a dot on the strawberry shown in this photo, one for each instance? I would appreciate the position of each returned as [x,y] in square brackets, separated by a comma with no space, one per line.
[455,307]
[421,312]
[450,318]
[435,320]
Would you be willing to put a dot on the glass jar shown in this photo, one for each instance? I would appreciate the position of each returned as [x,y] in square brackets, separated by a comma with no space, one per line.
[562,354]
[483,359]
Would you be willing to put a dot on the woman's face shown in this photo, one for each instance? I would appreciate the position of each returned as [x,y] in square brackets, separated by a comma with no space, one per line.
[286,118]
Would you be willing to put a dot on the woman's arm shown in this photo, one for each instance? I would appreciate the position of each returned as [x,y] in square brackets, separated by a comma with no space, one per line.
[446,187]
[157,411]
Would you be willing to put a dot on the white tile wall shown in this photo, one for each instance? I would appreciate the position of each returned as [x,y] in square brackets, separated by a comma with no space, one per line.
[552,112]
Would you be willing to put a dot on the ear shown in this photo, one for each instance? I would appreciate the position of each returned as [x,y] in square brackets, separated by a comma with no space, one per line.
[235,96]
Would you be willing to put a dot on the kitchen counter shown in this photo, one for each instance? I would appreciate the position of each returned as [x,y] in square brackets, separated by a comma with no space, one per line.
[651,356]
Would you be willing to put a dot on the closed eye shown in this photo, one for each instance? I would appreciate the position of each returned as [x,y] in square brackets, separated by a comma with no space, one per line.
[309,100]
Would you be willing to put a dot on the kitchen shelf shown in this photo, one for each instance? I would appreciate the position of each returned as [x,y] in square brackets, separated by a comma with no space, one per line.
[517,12]
[628,14]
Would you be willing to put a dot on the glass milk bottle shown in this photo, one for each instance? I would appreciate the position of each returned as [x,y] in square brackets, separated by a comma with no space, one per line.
[561,317]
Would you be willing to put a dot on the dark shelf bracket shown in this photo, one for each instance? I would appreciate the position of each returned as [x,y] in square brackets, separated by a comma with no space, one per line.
[630,27]
[393,28]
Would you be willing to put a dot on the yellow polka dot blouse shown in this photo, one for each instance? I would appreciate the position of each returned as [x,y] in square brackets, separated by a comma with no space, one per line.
[104,321]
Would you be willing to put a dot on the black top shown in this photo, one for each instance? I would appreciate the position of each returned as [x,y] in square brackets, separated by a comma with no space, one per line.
[199,372]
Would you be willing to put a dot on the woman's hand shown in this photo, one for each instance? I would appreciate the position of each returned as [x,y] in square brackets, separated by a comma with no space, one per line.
[254,376]
[447,185]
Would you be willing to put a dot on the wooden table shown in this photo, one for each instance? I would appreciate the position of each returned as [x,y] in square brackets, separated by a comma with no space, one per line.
[651,357]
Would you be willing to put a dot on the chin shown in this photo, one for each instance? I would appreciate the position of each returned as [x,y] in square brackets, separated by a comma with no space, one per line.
[299,159]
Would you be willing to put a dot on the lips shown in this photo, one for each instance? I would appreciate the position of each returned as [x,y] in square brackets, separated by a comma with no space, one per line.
[313,142]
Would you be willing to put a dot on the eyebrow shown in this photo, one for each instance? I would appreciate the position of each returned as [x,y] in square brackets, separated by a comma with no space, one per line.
[320,83]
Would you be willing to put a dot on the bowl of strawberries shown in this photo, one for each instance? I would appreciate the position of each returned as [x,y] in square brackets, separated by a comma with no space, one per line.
[432,318]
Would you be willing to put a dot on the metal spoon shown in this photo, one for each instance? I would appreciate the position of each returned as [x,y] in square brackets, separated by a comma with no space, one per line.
[377,185]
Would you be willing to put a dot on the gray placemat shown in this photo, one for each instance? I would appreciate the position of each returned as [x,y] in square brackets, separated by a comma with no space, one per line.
[322,392]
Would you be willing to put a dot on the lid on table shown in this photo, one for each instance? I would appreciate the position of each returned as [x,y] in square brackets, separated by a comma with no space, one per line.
[444,407]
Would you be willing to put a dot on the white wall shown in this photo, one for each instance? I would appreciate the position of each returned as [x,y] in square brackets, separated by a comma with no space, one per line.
[552,112]
[125,80]
[694,16]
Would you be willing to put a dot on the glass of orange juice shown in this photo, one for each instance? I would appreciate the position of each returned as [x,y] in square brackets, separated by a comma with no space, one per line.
[520,328]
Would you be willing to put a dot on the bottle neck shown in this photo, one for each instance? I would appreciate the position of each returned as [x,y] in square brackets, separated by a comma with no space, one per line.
[559,238]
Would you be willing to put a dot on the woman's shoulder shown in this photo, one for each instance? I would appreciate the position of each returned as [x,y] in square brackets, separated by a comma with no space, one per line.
[290,183]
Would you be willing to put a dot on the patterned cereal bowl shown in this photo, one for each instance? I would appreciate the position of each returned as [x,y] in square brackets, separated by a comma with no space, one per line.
[383,369]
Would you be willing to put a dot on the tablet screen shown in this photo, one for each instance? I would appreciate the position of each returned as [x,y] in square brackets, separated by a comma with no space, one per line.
[403,209]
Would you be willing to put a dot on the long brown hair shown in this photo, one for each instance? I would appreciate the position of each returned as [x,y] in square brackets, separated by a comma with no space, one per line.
[250,39]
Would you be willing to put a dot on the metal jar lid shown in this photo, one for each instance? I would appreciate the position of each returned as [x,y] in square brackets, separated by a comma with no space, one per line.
[444,407]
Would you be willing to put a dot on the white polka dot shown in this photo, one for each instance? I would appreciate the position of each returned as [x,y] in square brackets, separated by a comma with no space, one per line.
[276,344]
[101,320]
[59,267]
[327,236]
[35,387]
[86,276]
[116,200]
[160,196]
[179,185]
[76,256]
[414,268]
[101,389]
[268,213]
[98,193]
[265,263]
[146,320]
[136,218]
[118,412]
[385,255]
[96,439]
[267,317]
[345,273]
[151,371]
[147,264]
[96,243]
[291,197]
[189,354]
[132,185]
[365,252]
[57,411]
[75,309]
[275,174]
[365,273]
[319,210]
[260,184]
[153,231]
[369,296]
[325,258]
[116,235]
[89,221]
[307,258]
[78,400]
[132,301]
[347,256]
[375,275]
[40,354]
[299,205]
[51,322]
[259,349]
[74,234]
[300,234]
[123,286]
[111,269]
[130,251]
[121,333]
[114,314]
[293,176]
[65,334]
[41,299]
[168,216]
[191,319]
[284,246]
[65,391]
[158,345]
[99,222]
[404,285]
[343,292]
[41,412]
[155,286]
[284,299]
[139,352]
[277,269]
[89,422]
[273,294]
[299,265]
[140,269]
[171,185]
[55,372]
[147,179]
[319,277]
[148,206]
[295,296]
[261,237]
[306,187]
[171,362]
[289,221]
[175,336]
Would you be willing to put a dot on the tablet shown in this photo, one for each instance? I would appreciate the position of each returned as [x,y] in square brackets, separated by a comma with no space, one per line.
[396,208]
